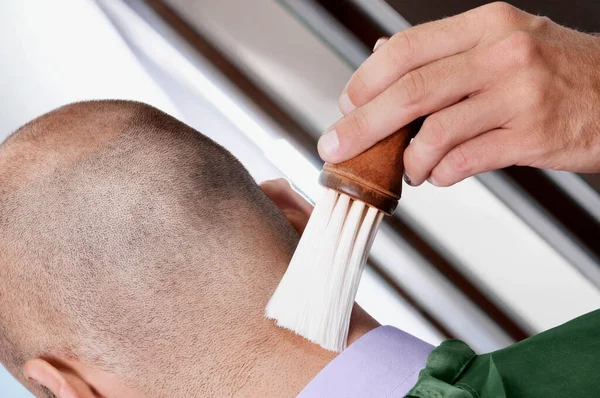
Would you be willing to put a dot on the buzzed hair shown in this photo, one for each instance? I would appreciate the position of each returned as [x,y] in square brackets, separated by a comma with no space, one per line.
[125,236]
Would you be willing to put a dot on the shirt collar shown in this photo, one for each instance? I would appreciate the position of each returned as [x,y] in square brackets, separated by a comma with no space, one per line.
[385,362]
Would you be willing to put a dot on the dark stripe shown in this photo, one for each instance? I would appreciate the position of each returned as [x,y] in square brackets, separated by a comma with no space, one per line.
[354,20]
[572,217]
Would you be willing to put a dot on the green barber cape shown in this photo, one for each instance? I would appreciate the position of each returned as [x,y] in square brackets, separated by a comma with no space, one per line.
[561,362]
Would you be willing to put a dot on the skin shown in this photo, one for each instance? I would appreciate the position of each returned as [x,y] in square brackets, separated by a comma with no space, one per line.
[292,363]
[184,319]
[501,87]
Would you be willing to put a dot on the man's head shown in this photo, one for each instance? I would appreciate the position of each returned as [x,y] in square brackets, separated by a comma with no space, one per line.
[136,257]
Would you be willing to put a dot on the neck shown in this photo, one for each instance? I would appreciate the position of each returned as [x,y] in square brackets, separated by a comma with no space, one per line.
[289,362]
[273,362]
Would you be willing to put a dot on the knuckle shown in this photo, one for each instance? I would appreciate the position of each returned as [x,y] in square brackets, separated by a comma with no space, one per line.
[435,133]
[501,12]
[400,48]
[458,161]
[540,23]
[523,49]
[412,86]
[276,184]
[282,184]
[358,88]
[359,125]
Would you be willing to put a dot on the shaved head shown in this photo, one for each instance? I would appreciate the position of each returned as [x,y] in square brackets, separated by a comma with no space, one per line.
[133,243]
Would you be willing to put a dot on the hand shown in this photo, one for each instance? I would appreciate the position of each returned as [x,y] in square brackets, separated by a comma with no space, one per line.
[501,87]
[293,206]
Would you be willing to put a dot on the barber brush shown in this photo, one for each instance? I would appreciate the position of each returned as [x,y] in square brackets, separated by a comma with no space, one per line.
[315,296]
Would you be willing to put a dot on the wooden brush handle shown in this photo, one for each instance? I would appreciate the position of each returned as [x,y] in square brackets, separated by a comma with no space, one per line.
[374,176]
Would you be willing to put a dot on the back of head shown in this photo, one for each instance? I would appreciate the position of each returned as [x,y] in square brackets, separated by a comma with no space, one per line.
[131,242]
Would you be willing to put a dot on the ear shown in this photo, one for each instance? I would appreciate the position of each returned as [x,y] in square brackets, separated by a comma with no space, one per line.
[293,205]
[61,381]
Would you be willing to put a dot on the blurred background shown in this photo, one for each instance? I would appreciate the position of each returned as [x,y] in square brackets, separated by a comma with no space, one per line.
[492,260]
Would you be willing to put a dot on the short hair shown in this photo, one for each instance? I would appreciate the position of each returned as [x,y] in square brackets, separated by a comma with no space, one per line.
[126,236]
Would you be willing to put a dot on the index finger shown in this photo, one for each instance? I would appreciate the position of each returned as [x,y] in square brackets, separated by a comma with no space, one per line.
[418,46]
[285,196]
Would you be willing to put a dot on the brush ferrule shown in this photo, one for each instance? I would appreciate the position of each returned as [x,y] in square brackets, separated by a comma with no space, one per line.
[375,176]
[360,189]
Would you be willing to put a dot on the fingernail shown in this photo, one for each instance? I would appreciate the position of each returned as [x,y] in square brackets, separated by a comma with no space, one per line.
[379,43]
[346,106]
[407,179]
[433,182]
[328,144]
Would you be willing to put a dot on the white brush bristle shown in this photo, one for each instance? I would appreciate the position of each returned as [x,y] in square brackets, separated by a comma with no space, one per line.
[316,295]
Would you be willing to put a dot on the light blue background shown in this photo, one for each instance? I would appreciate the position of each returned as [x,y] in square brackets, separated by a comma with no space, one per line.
[10,388]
